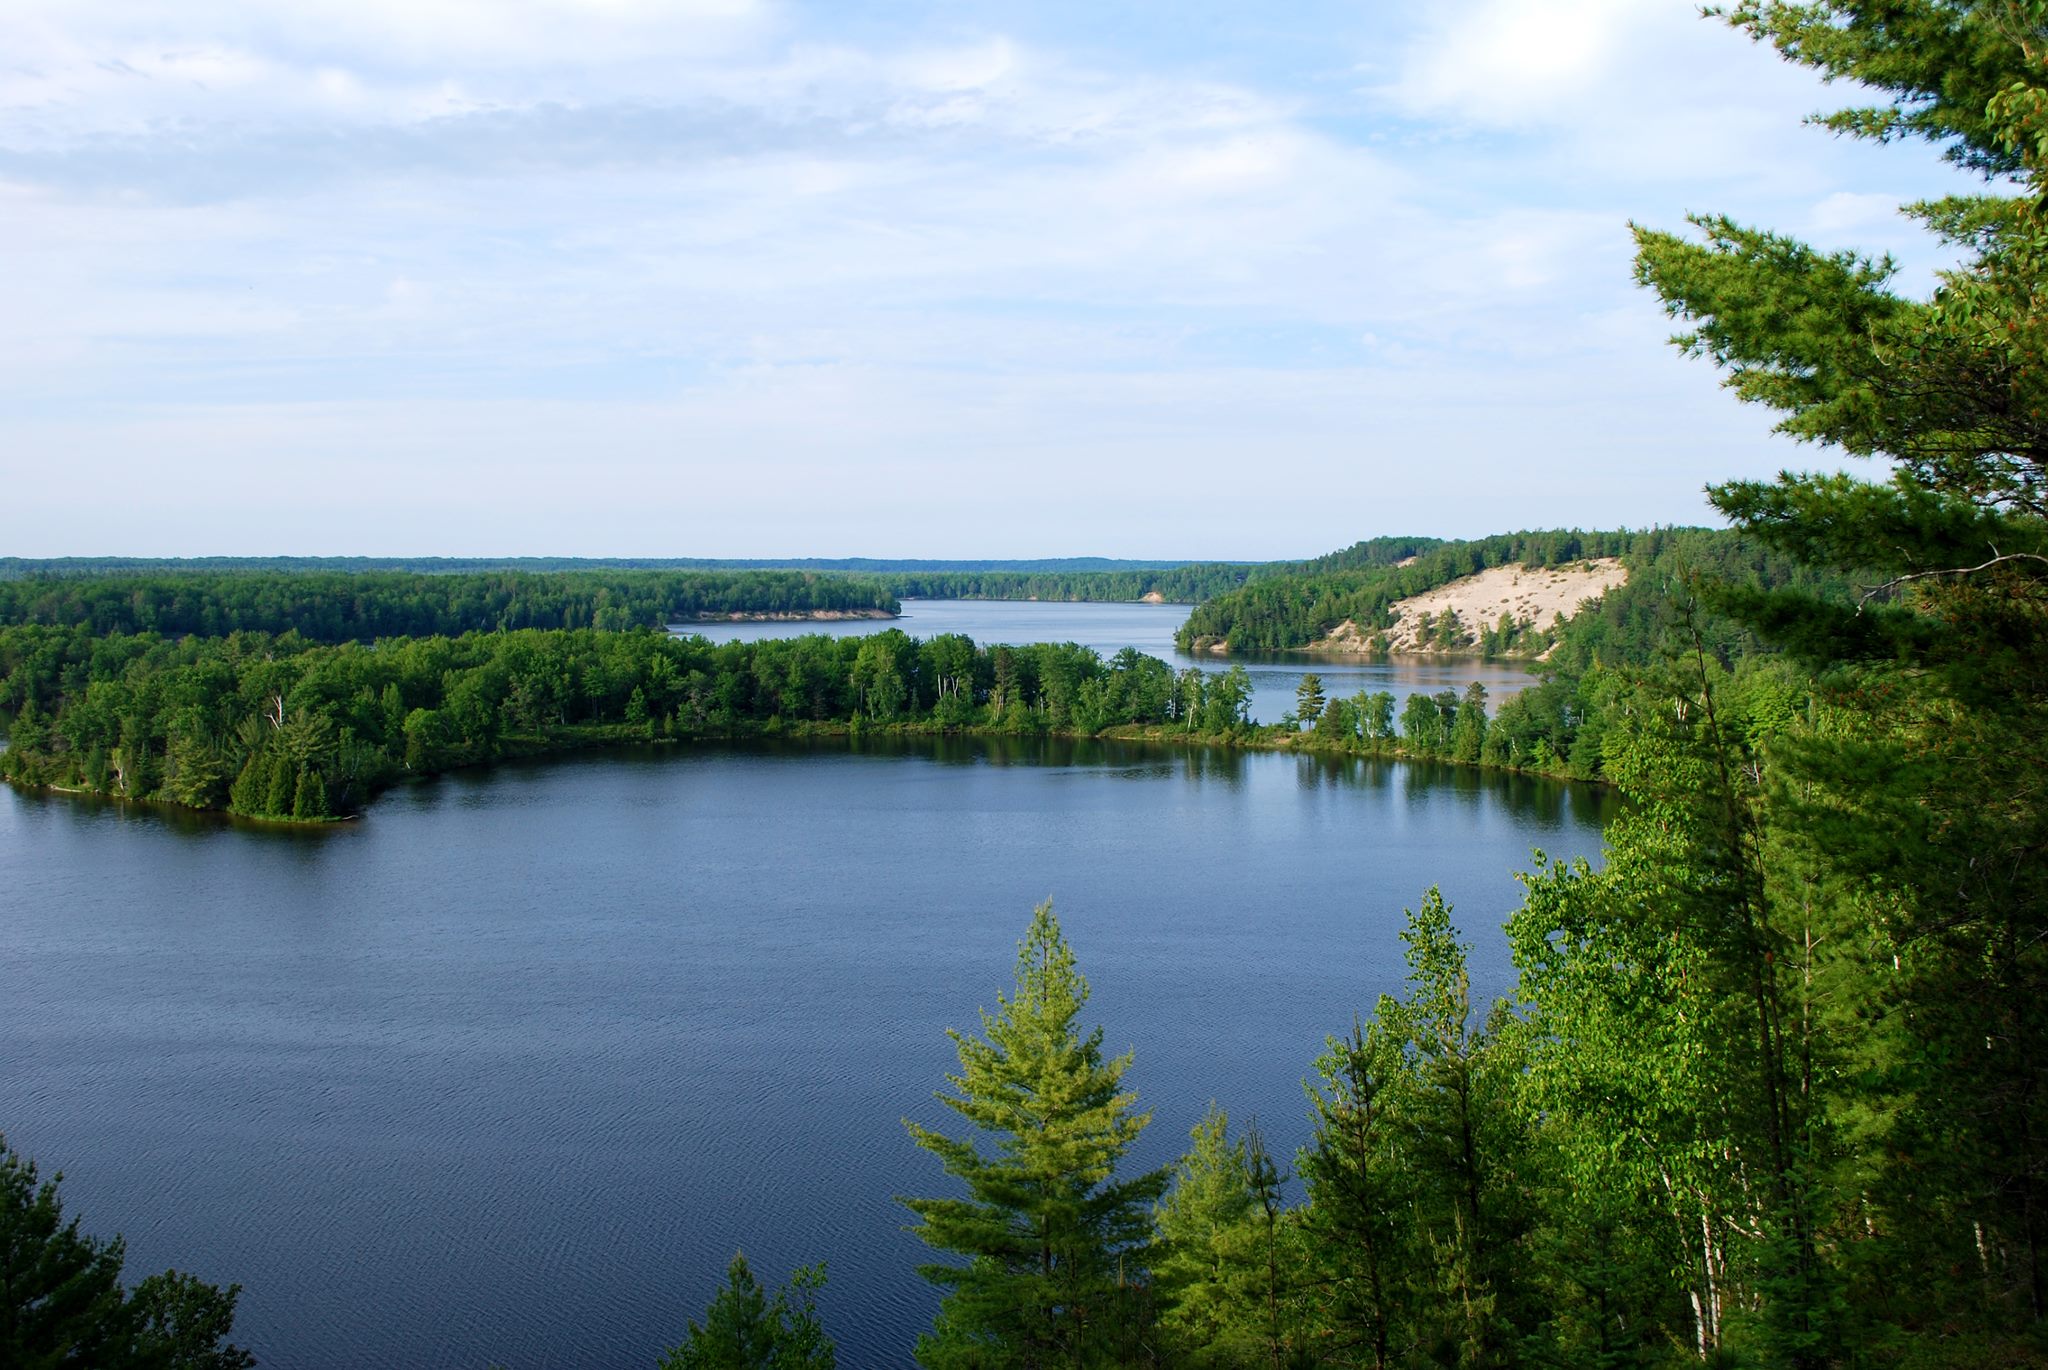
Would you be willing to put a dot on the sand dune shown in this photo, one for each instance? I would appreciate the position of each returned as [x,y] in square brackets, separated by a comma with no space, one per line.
[1536,594]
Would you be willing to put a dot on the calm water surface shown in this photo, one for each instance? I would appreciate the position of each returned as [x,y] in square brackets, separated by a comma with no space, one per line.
[1109,628]
[504,1072]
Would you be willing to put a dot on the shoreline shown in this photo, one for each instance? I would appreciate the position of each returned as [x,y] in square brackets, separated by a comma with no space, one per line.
[602,737]
[792,616]
[1324,652]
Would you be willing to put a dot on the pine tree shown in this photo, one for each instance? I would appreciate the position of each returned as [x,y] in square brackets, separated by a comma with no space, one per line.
[62,1304]
[745,1329]
[309,797]
[1309,699]
[1210,1259]
[1055,1245]
[1921,805]
[277,799]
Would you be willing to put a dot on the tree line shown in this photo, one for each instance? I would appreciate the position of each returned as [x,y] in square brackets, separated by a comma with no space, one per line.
[340,606]
[282,727]
[1174,585]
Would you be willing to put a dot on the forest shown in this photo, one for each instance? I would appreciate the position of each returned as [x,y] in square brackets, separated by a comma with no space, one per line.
[1771,1088]
[339,606]
[338,598]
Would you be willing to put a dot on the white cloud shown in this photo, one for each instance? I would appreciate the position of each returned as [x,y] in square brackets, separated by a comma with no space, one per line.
[704,248]
[1515,62]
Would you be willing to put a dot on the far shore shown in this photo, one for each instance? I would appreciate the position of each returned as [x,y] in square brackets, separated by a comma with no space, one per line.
[807,616]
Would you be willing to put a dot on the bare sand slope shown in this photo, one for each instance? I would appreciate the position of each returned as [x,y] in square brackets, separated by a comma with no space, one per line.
[1538,594]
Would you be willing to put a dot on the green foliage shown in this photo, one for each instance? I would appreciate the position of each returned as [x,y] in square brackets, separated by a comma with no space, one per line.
[746,1329]
[1054,1244]
[339,606]
[1211,1265]
[1903,826]
[286,728]
[1417,1207]
[62,1306]
[1309,699]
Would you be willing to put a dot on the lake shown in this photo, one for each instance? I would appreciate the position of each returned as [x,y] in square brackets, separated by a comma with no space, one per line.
[505,1071]
[1109,628]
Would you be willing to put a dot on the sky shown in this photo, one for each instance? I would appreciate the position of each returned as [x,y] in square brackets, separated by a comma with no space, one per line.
[736,278]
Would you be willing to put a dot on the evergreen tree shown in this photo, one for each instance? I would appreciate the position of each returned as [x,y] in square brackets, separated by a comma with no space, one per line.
[1918,808]
[1055,1245]
[309,797]
[1210,1262]
[1309,699]
[745,1329]
[277,798]
[62,1306]
[1359,1219]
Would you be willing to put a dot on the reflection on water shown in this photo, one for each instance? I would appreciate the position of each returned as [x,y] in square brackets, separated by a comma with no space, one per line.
[505,1071]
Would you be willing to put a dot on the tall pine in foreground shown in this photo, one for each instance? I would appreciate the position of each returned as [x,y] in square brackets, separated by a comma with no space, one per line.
[1053,1245]
[1915,800]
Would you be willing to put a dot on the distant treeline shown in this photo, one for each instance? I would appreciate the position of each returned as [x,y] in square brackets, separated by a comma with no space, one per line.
[1071,579]
[1189,584]
[336,606]
[1175,585]
[12,568]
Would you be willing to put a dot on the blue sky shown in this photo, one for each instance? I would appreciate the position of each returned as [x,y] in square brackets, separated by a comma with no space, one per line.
[746,278]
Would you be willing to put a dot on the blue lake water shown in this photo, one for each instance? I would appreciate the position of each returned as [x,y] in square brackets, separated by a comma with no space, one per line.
[505,1071]
[1109,628]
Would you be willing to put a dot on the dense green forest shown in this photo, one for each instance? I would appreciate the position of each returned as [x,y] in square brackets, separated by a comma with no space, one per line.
[1190,584]
[336,606]
[12,568]
[283,727]
[222,594]
[1771,1088]
[1175,585]
[268,594]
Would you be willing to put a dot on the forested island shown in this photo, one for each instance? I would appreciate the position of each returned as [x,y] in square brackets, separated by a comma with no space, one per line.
[1771,1087]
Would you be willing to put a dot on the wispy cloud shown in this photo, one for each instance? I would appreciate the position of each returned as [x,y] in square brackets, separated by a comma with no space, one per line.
[276,257]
